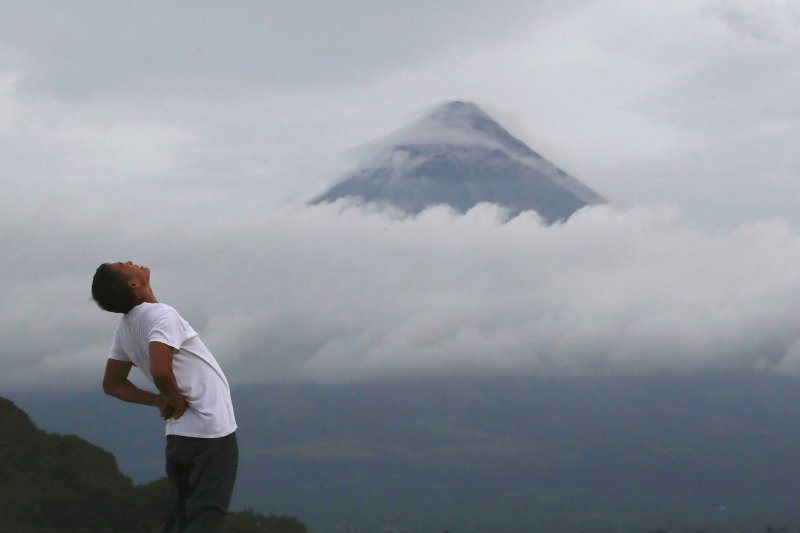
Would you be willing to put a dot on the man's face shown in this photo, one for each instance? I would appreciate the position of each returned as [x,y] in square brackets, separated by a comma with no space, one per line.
[136,275]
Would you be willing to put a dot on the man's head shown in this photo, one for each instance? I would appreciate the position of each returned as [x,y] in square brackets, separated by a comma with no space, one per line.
[119,287]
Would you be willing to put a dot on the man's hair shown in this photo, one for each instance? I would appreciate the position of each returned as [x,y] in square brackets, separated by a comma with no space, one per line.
[110,290]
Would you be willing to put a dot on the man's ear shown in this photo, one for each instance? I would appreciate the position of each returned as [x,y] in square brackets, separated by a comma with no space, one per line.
[132,283]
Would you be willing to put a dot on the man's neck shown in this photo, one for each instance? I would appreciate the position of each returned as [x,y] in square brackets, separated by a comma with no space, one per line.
[144,296]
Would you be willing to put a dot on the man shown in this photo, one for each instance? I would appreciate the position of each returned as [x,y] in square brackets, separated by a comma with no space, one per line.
[194,396]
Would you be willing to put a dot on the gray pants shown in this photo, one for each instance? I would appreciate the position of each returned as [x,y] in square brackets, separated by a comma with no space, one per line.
[201,474]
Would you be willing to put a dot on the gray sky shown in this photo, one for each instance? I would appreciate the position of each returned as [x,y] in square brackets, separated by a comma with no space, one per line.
[188,135]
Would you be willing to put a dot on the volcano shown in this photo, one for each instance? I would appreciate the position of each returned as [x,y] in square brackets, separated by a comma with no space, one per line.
[459,156]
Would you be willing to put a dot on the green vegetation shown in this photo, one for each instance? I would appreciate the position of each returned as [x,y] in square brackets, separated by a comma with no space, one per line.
[53,483]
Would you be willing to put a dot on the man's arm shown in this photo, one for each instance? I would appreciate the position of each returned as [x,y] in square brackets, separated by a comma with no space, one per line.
[164,377]
[115,383]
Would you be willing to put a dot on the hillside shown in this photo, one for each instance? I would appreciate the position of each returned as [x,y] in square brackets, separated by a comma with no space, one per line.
[53,483]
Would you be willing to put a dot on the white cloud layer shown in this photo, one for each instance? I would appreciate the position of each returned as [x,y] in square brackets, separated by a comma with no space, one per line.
[335,293]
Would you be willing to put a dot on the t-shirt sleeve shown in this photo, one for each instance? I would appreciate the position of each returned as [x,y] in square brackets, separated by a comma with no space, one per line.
[116,351]
[168,327]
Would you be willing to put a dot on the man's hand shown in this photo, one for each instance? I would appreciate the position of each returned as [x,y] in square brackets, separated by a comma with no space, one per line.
[164,408]
[178,410]
[167,410]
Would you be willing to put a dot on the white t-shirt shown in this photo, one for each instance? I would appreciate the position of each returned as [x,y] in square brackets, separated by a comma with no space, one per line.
[199,376]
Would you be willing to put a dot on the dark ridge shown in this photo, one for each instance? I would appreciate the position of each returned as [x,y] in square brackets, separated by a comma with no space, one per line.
[52,483]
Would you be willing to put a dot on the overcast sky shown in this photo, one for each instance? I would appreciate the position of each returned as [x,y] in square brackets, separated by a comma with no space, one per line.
[188,136]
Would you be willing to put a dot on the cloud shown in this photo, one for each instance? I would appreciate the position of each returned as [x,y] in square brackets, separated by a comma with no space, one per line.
[336,293]
[770,21]
[91,48]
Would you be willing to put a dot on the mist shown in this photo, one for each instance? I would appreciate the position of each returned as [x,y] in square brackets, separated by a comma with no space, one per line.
[344,292]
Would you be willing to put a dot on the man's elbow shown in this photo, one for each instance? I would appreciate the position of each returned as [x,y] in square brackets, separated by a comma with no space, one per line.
[110,388]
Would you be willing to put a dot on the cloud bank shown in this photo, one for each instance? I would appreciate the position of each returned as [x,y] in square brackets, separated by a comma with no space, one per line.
[338,293]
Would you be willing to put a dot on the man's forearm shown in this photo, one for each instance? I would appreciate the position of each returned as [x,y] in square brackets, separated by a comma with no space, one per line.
[128,392]
[168,387]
